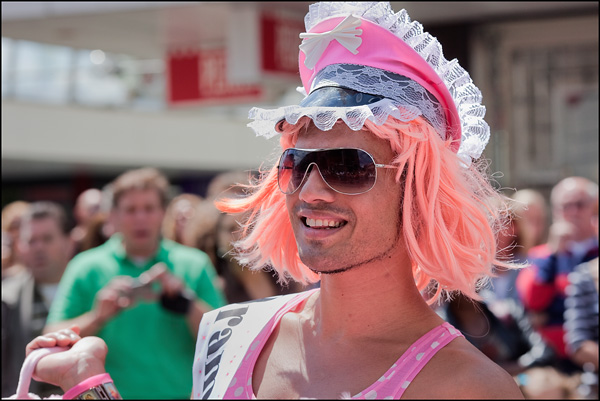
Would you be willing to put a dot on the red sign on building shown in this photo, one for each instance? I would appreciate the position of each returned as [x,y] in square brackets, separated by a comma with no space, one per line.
[200,76]
[280,40]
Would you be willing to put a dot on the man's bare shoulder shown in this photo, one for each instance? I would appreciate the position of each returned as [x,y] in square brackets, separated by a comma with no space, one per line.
[461,371]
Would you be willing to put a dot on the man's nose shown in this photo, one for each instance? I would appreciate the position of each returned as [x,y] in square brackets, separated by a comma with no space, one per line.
[140,213]
[314,188]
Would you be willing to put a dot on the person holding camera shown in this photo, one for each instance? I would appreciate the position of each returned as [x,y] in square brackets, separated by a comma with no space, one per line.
[142,294]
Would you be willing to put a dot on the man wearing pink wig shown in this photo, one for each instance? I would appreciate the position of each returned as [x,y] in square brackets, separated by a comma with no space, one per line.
[378,196]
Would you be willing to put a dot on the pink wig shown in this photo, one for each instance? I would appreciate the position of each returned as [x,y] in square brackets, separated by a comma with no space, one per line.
[450,214]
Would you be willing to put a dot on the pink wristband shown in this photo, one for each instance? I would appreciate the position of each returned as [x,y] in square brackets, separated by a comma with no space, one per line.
[101,387]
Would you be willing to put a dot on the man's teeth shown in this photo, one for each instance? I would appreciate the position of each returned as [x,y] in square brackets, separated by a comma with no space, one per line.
[323,223]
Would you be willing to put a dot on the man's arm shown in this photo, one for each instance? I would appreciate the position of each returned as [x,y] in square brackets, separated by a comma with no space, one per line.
[109,301]
[581,316]
[586,353]
[208,297]
[88,322]
[197,309]
[173,287]
[84,359]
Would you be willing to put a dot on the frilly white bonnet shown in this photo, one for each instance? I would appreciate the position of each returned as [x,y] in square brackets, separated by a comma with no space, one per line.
[360,60]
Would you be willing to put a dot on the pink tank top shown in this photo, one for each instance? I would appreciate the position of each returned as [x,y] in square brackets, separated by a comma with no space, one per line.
[389,386]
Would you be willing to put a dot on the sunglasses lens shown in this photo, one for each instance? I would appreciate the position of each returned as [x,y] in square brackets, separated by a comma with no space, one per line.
[289,174]
[348,171]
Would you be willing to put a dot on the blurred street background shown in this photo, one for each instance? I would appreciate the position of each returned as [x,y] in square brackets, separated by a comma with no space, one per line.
[90,89]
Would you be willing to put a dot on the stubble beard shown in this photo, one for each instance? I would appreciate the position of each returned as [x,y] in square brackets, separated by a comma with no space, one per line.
[381,256]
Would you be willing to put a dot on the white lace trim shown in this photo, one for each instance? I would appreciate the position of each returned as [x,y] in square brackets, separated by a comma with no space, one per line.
[467,97]
[405,92]
[325,117]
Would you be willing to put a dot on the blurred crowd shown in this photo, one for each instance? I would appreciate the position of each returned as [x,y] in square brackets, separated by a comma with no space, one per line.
[540,322]
[138,269]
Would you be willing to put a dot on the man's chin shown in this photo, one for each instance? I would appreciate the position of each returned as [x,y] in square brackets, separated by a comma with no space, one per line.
[40,273]
[38,266]
[322,265]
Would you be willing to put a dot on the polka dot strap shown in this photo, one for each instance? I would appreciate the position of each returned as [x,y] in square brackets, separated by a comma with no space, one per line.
[423,350]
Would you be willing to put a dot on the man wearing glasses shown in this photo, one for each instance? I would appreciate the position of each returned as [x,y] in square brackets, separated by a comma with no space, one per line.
[378,197]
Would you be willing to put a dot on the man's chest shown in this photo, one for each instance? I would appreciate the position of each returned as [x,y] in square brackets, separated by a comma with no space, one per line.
[288,367]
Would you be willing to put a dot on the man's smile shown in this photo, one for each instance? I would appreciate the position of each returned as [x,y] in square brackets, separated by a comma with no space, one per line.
[322,223]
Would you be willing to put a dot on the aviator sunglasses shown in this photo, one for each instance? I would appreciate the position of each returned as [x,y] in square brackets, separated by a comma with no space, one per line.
[348,171]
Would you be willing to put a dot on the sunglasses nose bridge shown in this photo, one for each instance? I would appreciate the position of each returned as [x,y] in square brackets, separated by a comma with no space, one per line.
[323,179]
[308,172]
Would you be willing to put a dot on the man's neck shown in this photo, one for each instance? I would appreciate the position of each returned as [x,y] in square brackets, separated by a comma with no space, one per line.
[50,276]
[140,253]
[376,301]
[48,281]
[580,248]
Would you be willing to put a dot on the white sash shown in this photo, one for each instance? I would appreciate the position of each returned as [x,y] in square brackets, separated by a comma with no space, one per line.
[224,336]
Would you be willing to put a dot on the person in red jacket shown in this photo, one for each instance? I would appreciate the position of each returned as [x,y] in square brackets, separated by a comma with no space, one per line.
[571,241]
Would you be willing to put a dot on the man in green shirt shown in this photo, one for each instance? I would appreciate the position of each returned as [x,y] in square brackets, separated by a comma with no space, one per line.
[150,330]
